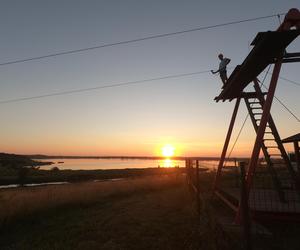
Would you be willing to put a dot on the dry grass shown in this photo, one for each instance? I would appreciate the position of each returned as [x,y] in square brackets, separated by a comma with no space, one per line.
[143,213]
[23,202]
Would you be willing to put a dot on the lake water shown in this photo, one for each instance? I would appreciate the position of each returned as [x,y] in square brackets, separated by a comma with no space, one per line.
[92,164]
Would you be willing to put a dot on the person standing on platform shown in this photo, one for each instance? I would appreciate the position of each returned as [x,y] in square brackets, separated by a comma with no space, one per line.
[222,69]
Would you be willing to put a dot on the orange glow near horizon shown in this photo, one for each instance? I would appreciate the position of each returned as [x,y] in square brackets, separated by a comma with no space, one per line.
[117,147]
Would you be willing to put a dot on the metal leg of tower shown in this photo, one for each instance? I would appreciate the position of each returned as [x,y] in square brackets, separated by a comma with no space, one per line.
[225,147]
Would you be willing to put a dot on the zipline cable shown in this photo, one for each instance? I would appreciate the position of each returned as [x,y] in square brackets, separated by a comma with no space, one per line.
[67,92]
[288,80]
[67,52]
[284,105]
[73,91]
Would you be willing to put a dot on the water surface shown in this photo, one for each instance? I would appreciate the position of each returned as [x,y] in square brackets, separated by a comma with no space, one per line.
[93,164]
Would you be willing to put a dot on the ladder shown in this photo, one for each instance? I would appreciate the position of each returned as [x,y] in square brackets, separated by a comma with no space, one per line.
[283,175]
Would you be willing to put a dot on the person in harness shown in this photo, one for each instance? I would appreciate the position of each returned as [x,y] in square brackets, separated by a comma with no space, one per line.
[222,69]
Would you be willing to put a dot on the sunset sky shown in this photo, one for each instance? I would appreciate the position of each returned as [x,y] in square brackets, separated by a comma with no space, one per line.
[137,119]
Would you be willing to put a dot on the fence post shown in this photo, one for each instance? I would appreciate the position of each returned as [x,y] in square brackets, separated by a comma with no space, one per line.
[189,173]
[197,186]
[237,174]
[245,215]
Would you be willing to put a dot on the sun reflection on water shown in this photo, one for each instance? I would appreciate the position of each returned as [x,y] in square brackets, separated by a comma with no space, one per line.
[168,163]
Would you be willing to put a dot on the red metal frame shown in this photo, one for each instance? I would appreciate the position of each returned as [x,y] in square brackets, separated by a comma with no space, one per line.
[292,19]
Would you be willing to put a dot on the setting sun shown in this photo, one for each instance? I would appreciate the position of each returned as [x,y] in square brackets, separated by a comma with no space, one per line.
[168,150]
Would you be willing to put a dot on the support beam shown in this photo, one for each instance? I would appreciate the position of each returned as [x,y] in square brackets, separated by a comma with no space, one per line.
[291,60]
[225,147]
[291,55]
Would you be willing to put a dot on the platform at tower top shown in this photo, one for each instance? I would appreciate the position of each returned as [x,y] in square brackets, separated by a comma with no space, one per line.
[268,47]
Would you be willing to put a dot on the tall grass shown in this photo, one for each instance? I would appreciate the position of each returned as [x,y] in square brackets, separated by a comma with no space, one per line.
[24,202]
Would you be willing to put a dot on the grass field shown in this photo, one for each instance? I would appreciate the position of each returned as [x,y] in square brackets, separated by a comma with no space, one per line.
[142,213]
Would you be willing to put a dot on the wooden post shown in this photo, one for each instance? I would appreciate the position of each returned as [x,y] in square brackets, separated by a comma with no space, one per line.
[297,155]
[197,187]
[197,175]
[245,215]
[187,170]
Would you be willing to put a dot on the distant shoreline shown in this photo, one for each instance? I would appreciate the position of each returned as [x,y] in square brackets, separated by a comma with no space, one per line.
[35,176]
[203,158]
